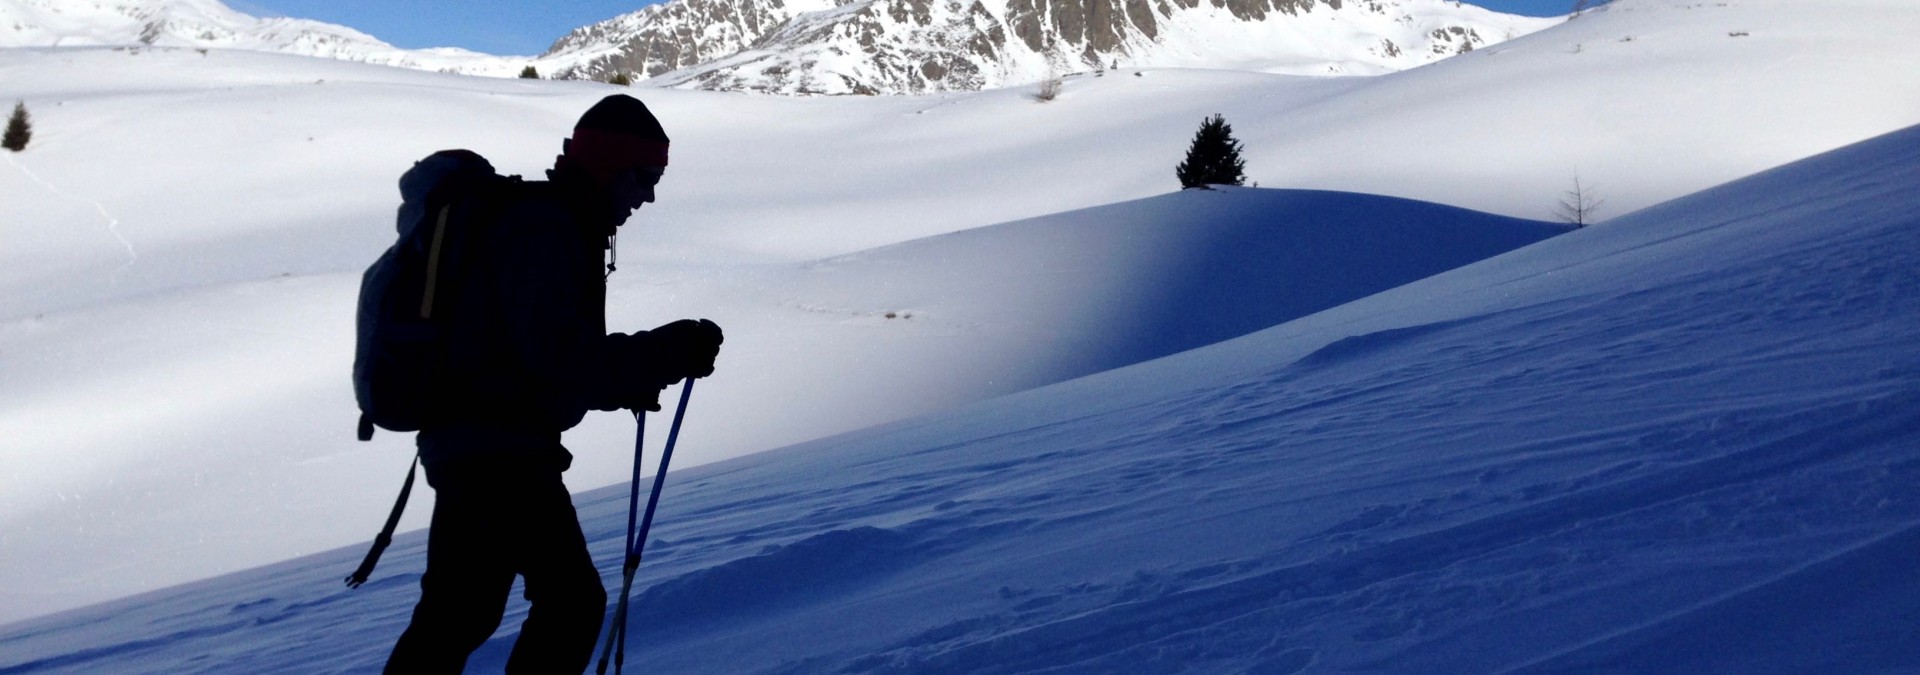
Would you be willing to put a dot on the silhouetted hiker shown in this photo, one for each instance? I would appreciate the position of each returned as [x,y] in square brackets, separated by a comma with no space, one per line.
[528,356]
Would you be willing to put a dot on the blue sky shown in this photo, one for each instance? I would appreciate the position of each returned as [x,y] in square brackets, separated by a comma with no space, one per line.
[516,27]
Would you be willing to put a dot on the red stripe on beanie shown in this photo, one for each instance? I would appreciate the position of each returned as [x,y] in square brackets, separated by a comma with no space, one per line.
[605,152]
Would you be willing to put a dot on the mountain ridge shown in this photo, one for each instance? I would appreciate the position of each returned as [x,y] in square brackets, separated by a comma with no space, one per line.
[930,46]
[862,47]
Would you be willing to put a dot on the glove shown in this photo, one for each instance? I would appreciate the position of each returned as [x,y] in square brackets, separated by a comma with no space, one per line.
[644,363]
[629,393]
[685,348]
[640,398]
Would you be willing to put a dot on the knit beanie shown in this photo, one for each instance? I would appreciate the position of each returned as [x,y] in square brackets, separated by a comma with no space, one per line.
[616,134]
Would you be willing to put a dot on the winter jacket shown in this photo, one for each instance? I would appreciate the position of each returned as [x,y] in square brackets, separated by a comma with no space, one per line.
[528,349]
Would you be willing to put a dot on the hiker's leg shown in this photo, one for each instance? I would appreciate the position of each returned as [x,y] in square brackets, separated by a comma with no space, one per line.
[464,590]
[568,602]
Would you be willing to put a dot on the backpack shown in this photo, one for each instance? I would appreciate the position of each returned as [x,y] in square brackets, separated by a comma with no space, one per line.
[399,354]
[399,357]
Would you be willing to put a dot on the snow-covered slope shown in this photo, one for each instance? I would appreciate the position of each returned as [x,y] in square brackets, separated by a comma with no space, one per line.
[1684,441]
[919,46]
[234,390]
[178,247]
[1635,98]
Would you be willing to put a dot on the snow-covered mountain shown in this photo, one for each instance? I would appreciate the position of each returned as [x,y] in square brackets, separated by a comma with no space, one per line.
[920,46]
[862,47]
[173,23]
[210,24]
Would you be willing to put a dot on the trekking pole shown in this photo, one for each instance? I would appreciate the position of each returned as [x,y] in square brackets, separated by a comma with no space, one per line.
[633,498]
[617,633]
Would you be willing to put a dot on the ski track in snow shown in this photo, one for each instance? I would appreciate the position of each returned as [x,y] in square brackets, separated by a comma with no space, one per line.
[113,223]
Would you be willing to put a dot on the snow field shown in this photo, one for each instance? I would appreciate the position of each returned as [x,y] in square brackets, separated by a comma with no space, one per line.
[1660,445]
[178,257]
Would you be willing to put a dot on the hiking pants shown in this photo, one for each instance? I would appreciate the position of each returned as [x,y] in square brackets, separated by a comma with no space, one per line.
[493,520]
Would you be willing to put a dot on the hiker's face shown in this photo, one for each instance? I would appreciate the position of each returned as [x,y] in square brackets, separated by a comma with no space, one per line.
[634,187]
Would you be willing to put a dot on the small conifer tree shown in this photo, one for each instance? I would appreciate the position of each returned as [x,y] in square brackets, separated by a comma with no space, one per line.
[19,130]
[1580,205]
[528,73]
[1214,157]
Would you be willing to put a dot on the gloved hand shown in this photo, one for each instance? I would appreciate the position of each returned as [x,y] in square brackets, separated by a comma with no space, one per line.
[642,364]
[624,391]
[640,398]
[686,348]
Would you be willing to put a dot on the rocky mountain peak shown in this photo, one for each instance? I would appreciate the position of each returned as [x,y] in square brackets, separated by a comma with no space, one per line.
[816,47]
[923,46]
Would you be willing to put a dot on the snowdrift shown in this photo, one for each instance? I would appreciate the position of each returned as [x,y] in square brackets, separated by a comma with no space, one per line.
[1029,303]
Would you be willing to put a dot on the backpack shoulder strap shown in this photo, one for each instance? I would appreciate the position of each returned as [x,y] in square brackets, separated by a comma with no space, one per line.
[436,244]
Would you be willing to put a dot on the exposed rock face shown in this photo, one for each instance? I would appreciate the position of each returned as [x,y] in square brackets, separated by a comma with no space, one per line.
[921,46]
[675,35]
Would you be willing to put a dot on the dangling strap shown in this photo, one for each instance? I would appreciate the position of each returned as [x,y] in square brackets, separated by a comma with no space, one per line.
[380,543]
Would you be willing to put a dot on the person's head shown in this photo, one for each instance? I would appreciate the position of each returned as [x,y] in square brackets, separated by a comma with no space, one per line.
[619,147]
